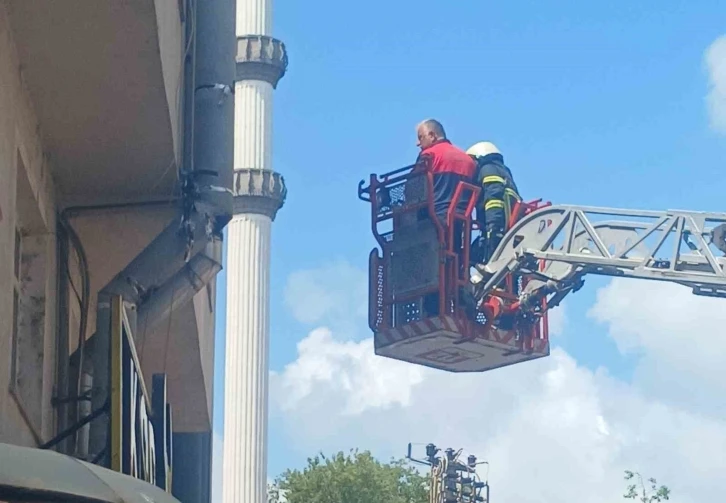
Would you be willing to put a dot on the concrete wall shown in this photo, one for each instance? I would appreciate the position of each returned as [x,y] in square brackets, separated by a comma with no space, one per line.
[103,77]
[25,171]
[171,50]
[178,348]
[205,303]
[183,348]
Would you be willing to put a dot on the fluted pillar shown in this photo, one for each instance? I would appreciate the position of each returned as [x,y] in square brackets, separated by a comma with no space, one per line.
[259,193]
[253,124]
[245,430]
[254,17]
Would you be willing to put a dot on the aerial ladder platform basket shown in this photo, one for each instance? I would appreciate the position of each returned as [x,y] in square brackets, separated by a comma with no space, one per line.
[419,281]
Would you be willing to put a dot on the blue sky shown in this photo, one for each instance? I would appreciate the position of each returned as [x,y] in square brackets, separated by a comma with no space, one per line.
[597,103]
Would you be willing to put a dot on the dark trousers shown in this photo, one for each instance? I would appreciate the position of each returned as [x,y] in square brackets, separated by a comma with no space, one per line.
[484,246]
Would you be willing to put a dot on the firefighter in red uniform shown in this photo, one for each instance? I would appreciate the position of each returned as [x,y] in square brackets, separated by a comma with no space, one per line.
[449,166]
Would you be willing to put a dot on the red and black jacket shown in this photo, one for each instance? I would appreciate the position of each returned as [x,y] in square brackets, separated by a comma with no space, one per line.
[449,165]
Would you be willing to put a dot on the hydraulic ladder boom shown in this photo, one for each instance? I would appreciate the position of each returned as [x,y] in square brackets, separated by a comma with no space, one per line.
[556,246]
[427,307]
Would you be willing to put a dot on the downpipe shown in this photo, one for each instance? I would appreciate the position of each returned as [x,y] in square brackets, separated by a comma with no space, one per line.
[182,288]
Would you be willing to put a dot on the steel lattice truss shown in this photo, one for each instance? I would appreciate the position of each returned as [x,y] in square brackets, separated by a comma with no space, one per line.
[558,245]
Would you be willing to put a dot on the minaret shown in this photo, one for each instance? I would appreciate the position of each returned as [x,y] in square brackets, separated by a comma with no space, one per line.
[259,193]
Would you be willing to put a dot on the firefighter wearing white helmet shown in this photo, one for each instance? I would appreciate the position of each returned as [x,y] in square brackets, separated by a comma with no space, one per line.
[498,196]
[482,149]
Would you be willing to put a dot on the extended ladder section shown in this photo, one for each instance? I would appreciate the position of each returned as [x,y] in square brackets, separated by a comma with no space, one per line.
[556,246]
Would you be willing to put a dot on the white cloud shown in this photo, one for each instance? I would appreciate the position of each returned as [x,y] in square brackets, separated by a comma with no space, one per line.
[557,320]
[571,431]
[359,378]
[716,100]
[334,294]
[678,337]
[552,430]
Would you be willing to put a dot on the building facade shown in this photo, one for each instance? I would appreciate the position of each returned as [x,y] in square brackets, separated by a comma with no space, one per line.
[115,186]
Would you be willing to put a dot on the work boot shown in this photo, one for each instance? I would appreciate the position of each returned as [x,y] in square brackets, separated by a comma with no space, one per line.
[477,251]
[494,237]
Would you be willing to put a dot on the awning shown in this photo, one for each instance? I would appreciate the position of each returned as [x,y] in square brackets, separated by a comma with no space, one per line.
[27,472]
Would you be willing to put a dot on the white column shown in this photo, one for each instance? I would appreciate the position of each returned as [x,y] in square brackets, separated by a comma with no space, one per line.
[259,194]
[254,17]
[253,125]
[245,428]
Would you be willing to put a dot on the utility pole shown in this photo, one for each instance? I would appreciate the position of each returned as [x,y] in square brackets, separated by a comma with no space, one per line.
[452,480]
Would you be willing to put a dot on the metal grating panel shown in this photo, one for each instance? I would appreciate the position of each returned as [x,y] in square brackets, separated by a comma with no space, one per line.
[414,267]
[412,311]
[412,191]
[408,312]
[415,190]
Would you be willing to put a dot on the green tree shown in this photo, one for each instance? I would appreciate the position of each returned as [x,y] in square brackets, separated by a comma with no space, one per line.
[350,478]
[638,490]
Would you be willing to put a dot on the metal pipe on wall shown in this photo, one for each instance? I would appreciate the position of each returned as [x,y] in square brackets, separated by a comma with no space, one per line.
[213,134]
[180,290]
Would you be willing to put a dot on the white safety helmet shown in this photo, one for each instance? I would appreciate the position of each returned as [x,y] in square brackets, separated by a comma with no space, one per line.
[483,148]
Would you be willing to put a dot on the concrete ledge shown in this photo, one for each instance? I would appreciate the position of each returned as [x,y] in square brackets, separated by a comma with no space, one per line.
[258,191]
[261,58]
